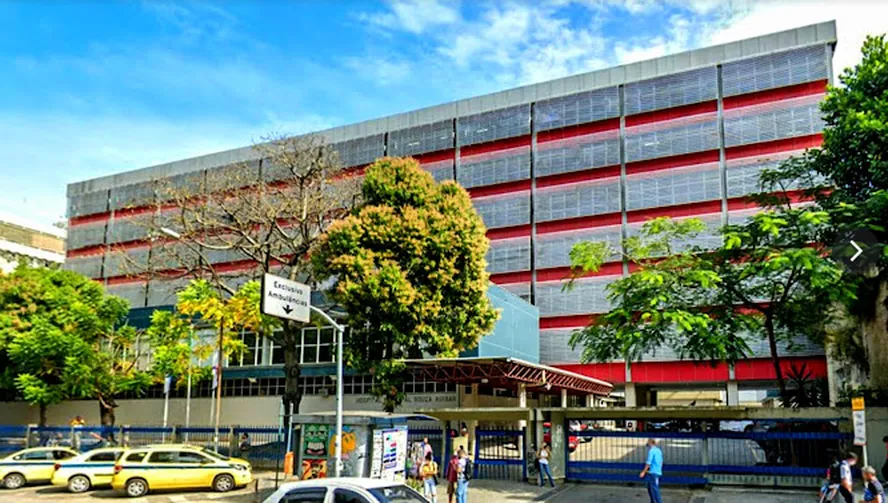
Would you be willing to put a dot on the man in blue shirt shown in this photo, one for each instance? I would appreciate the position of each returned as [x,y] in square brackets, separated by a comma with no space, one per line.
[653,470]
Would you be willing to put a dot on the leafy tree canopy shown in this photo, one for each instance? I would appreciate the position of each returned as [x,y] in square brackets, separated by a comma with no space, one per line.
[409,269]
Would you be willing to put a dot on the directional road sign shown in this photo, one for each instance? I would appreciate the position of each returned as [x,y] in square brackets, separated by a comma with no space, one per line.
[285,299]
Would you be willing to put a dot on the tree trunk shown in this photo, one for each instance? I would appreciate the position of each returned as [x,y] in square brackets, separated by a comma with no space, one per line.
[292,367]
[42,415]
[106,412]
[875,337]
[775,357]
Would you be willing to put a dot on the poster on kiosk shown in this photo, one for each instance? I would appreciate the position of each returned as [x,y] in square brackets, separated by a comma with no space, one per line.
[389,454]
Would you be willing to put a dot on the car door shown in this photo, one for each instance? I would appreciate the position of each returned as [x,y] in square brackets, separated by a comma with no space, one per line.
[196,469]
[305,495]
[36,465]
[162,472]
[101,466]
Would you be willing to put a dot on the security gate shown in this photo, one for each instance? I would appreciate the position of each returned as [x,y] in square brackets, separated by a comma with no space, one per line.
[500,454]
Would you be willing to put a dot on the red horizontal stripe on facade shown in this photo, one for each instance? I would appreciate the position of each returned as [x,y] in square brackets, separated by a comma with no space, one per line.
[579,130]
[561,273]
[508,232]
[89,219]
[771,147]
[672,113]
[442,155]
[502,188]
[493,146]
[684,210]
[676,161]
[511,277]
[761,369]
[86,251]
[781,93]
[573,321]
[131,212]
[578,223]
[745,203]
[578,176]
[123,280]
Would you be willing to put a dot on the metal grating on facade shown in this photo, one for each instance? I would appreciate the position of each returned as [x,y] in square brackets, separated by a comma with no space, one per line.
[494,167]
[491,126]
[440,170]
[580,108]
[88,203]
[686,135]
[578,153]
[360,151]
[808,64]
[588,295]
[505,210]
[577,200]
[773,121]
[509,255]
[553,250]
[421,139]
[671,91]
[673,186]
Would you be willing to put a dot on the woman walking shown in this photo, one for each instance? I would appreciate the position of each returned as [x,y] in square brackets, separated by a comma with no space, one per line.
[543,459]
[428,471]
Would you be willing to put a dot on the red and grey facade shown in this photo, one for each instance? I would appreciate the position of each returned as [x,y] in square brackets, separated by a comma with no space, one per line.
[586,157]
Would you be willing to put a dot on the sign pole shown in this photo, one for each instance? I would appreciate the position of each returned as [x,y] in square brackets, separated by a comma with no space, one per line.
[858,416]
[339,386]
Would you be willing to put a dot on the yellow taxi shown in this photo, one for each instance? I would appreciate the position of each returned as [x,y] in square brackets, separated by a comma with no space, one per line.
[87,470]
[178,467]
[32,466]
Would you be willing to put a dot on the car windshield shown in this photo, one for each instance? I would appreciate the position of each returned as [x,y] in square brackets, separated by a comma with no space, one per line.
[396,494]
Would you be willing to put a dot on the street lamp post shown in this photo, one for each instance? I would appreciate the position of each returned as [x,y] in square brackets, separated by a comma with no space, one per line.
[340,333]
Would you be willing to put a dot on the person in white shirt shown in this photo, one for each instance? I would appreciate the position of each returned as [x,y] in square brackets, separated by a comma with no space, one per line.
[543,458]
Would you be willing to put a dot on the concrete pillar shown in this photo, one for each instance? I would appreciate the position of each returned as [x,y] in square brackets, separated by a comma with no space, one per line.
[733,394]
[559,445]
[522,395]
[564,399]
[590,401]
[631,399]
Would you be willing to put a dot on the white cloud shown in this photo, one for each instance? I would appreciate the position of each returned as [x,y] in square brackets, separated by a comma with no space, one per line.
[379,69]
[414,16]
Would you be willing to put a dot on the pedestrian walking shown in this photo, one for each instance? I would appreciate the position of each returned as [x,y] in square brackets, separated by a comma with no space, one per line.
[245,443]
[872,489]
[429,474]
[846,485]
[465,474]
[452,477]
[427,448]
[653,470]
[77,425]
[543,456]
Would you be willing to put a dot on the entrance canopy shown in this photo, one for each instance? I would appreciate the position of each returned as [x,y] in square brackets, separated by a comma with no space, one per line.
[507,373]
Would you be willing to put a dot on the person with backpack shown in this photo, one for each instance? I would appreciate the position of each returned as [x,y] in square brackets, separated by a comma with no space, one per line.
[464,476]
[872,489]
[428,472]
[452,477]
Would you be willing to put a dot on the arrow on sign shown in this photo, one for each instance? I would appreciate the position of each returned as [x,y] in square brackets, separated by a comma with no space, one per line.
[288,309]
[859,251]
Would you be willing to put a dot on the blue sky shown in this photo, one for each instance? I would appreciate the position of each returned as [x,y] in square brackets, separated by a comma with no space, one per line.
[93,88]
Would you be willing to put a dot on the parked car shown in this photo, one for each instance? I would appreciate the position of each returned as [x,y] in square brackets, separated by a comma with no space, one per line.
[178,467]
[32,466]
[85,471]
[353,490]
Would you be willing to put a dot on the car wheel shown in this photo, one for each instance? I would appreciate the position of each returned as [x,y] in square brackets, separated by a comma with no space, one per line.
[14,481]
[136,488]
[223,483]
[78,484]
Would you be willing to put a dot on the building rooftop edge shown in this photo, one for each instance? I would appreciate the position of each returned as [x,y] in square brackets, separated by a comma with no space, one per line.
[819,33]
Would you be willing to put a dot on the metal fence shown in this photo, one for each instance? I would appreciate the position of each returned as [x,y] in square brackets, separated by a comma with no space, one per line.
[500,454]
[781,454]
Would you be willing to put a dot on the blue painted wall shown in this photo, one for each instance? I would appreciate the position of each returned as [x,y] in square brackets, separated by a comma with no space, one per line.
[516,333]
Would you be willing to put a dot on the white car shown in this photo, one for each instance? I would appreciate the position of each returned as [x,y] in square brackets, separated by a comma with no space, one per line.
[345,490]
[90,469]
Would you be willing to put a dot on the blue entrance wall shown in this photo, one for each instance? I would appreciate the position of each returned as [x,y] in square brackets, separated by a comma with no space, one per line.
[516,333]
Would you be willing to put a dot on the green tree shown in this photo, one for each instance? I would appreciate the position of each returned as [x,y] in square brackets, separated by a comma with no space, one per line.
[766,281]
[409,269]
[62,337]
[852,162]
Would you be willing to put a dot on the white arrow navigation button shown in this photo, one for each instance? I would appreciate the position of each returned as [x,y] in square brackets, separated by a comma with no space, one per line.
[859,251]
